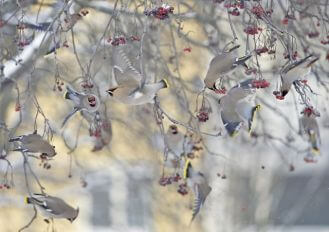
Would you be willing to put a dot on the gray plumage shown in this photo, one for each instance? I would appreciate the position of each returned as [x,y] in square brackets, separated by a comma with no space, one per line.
[235,109]
[34,143]
[223,64]
[295,71]
[87,102]
[53,207]
[310,127]
[129,89]
[197,182]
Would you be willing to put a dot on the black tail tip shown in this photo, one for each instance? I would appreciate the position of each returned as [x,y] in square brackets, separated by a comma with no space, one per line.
[165,83]
[27,200]
[67,95]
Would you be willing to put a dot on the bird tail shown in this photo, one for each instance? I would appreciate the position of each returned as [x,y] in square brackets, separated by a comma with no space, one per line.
[253,112]
[28,200]
[164,83]
[314,142]
[187,168]
[15,139]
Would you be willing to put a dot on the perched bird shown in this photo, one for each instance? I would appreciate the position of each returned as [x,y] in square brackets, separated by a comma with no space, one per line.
[197,182]
[34,143]
[223,64]
[310,126]
[53,207]
[178,145]
[177,142]
[82,101]
[235,109]
[295,71]
[130,90]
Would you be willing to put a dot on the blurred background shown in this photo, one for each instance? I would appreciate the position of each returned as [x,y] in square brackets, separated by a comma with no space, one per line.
[110,164]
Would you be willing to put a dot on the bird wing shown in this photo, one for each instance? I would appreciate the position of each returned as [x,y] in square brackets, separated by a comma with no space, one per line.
[247,111]
[201,192]
[311,127]
[221,64]
[31,138]
[122,61]
[56,206]
[230,118]
[241,90]
[293,65]
[126,77]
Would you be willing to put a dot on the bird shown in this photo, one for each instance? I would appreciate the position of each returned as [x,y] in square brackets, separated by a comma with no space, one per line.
[129,91]
[197,182]
[235,109]
[295,71]
[52,207]
[176,140]
[223,64]
[309,126]
[34,143]
[82,101]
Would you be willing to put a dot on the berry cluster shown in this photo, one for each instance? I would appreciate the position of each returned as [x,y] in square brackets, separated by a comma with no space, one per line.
[95,132]
[234,12]
[310,159]
[294,55]
[259,51]
[258,11]
[169,179]
[221,90]
[314,34]
[182,189]
[285,21]
[188,49]
[161,12]
[18,107]
[278,95]
[234,5]
[325,42]
[252,30]
[117,41]
[86,84]
[260,84]
[5,186]
[121,40]
[203,116]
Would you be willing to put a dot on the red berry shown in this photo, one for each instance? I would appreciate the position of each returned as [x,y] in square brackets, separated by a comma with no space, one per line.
[285,21]
[188,49]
